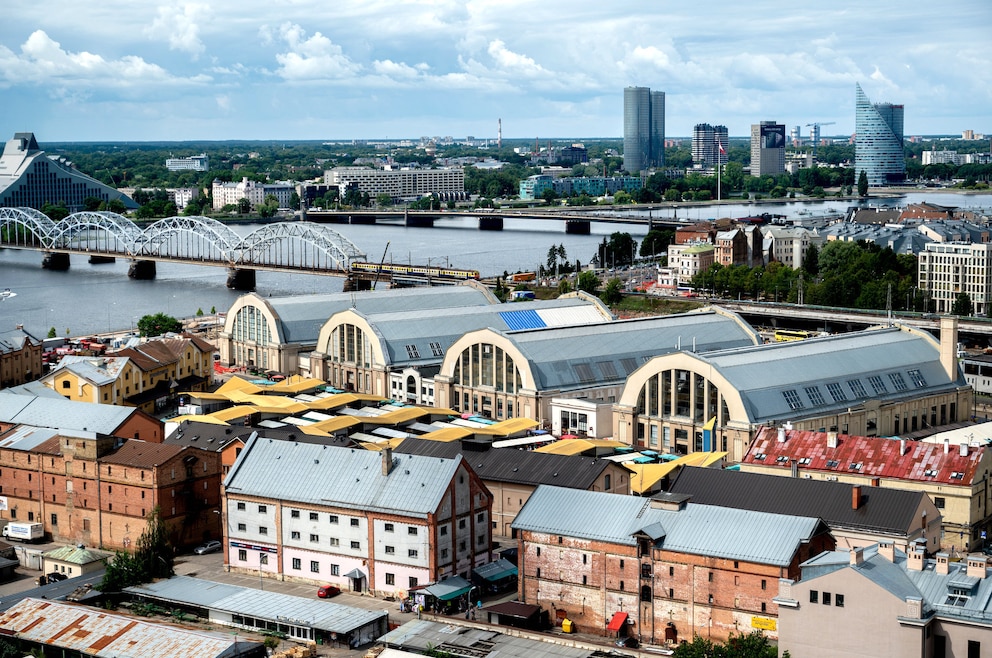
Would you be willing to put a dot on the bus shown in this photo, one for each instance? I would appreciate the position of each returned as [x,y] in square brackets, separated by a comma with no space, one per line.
[792,334]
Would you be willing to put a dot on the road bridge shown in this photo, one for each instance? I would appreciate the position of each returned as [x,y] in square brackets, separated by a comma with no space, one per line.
[301,247]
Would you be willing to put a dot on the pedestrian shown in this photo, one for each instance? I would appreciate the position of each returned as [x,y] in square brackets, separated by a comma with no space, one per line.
[473,614]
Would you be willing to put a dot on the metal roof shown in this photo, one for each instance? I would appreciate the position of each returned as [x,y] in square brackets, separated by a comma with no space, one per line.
[26,437]
[866,456]
[705,530]
[63,414]
[98,632]
[323,615]
[882,509]
[350,477]
[421,636]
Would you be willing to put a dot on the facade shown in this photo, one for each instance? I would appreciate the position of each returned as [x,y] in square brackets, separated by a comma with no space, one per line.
[878,142]
[400,183]
[397,354]
[20,358]
[814,383]
[643,129]
[732,247]
[658,569]
[510,374]
[687,260]
[192,163]
[857,514]
[229,194]
[767,148]
[148,376]
[365,521]
[788,244]
[955,479]
[29,179]
[946,270]
[535,186]
[881,601]
[98,490]
[709,145]
[72,561]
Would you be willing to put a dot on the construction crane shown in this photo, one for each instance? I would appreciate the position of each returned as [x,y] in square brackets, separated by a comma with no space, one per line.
[814,133]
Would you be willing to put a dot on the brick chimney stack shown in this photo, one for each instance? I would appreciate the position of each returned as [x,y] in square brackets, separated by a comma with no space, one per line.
[387,460]
[856,497]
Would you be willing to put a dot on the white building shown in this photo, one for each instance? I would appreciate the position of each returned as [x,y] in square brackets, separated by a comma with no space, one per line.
[788,244]
[193,163]
[182,196]
[231,193]
[688,260]
[400,183]
[949,269]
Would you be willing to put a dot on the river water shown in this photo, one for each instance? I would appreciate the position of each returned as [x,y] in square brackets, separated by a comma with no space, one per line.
[97,298]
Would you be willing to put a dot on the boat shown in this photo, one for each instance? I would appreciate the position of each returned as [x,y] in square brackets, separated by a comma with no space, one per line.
[7,293]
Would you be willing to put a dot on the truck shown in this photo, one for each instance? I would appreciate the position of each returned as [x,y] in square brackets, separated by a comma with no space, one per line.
[26,532]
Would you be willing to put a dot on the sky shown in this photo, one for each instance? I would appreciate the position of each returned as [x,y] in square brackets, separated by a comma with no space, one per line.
[178,70]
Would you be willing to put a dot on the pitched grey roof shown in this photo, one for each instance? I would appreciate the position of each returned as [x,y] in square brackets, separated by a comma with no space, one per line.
[884,510]
[763,374]
[697,529]
[349,477]
[99,370]
[64,414]
[577,357]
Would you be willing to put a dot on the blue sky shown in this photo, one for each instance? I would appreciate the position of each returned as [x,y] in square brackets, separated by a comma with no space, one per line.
[81,70]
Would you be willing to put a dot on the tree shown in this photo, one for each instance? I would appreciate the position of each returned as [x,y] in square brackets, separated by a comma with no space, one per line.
[552,257]
[244,206]
[656,242]
[500,291]
[863,183]
[158,324]
[588,282]
[752,645]
[613,292]
[52,333]
[153,558]
[384,199]
[811,263]
[962,305]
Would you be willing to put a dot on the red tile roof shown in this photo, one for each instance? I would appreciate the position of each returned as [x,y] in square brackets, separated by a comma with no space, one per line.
[877,457]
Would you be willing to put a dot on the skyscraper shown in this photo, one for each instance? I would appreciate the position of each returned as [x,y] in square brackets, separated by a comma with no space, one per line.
[707,141]
[878,148]
[643,129]
[767,148]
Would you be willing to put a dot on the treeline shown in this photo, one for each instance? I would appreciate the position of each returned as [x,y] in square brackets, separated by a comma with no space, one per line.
[846,274]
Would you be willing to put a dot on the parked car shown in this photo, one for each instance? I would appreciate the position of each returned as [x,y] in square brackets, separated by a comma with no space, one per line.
[627,642]
[327,591]
[55,577]
[211,546]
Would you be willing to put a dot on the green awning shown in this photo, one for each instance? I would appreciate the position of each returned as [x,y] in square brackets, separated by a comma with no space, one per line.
[498,570]
[449,588]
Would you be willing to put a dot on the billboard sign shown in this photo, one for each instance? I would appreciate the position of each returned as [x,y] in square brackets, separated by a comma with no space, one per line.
[773,136]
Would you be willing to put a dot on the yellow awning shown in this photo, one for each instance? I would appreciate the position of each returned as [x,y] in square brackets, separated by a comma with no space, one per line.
[509,427]
[449,434]
[234,413]
[198,419]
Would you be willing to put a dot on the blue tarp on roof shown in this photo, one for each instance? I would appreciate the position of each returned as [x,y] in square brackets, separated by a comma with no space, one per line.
[516,320]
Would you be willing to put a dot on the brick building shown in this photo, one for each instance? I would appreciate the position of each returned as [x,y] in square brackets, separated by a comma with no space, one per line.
[43,408]
[658,569]
[20,357]
[97,490]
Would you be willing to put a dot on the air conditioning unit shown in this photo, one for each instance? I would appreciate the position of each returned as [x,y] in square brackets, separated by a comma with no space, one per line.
[807,476]
[831,478]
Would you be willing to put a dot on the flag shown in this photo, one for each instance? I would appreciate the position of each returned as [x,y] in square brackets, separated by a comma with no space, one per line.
[719,145]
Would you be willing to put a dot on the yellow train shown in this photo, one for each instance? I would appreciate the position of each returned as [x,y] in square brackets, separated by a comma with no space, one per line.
[416,270]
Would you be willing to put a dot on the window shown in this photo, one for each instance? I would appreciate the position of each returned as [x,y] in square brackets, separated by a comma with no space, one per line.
[354,523]
[242,527]
[242,555]
[335,570]
[897,381]
[241,507]
[412,351]
[262,509]
[839,600]
[413,582]
[356,545]
[826,598]
[55,519]
[388,527]
[314,538]
[313,516]
[480,517]
[412,553]
[814,596]
[877,384]
[444,553]
[974,649]
[917,377]
[857,388]
[262,530]
[538,551]
[335,541]
[294,535]
[764,584]
[538,572]
[294,514]
[314,566]
[671,571]
[412,530]
[815,397]
[444,530]
[792,398]
[621,564]
[263,558]
[585,559]
[390,579]
[332,518]
[764,606]
[585,580]
[938,502]
[461,526]
[709,576]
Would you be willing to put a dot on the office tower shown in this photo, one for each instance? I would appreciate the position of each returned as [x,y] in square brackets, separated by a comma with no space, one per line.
[707,143]
[643,129]
[878,148]
[767,148]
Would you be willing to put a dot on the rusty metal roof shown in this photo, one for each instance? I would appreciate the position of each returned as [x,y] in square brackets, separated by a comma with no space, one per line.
[95,632]
[866,456]
[143,454]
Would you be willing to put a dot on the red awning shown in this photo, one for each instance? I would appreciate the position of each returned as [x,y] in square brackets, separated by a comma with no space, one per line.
[619,619]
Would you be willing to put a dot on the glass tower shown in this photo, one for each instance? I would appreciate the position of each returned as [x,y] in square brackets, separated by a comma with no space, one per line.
[643,129]
[878,147]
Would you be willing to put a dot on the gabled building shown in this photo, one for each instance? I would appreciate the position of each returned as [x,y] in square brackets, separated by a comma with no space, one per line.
[20,357]
[44,408]
[366,521]
[956,478]
[880,601]
[658,569]
[857,515]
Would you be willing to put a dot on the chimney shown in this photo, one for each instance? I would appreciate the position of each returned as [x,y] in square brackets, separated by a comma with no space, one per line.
[902,446]
[795,468]
[914,559]
[943,564]
[949,346]
[831,439]
[857,556]
[856,497]
[781,435]
[387,460]
[947,446]
[977,565]
[887,550]
[963,450]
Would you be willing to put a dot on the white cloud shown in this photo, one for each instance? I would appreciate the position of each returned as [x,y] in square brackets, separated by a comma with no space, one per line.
[514,63]
[398,70]
[179,24]
[312,58]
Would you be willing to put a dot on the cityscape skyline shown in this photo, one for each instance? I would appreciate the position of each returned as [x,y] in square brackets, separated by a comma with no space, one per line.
[190,71]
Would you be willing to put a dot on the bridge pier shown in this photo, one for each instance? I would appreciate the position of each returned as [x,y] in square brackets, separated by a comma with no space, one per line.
[142,270]
[240,279]
[417,221]
[100,260]
[353,283]
[491,223]
[577,226]
[57,262]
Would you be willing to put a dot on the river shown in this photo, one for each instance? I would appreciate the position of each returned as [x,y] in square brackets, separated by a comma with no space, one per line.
[99,298]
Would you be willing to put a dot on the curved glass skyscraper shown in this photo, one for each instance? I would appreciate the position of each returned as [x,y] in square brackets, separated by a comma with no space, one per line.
[878,147]
[643,129]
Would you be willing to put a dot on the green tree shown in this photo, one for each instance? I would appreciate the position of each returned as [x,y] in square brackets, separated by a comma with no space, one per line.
[863,183]
[153,550]
[552,257]
[588,282]
[92,203]
[244,206]
[384,199]
[811,262]
[613,292]
[158,324]
[500,291]
[962,305]
[752,645]
[52,333]
[294,201]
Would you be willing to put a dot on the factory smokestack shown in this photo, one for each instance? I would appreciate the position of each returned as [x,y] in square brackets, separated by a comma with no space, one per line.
[499,133]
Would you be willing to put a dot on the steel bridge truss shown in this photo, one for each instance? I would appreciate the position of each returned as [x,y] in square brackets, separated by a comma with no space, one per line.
[284,245]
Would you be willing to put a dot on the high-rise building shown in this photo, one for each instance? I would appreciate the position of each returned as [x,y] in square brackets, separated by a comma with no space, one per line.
[878,147]
[707,142]
[767,148]
[643,129]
